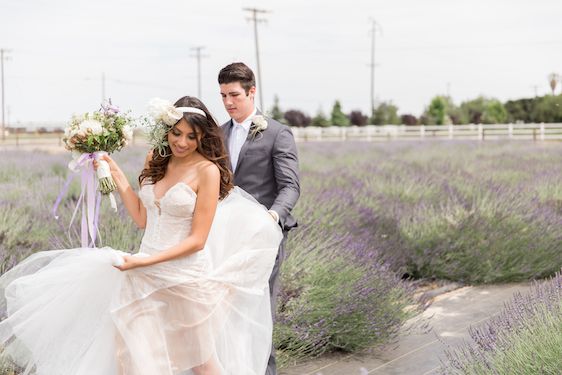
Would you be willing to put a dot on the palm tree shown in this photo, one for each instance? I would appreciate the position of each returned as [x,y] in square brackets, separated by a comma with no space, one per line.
[553,79]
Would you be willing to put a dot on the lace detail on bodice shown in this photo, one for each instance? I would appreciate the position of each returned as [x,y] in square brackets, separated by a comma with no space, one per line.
[168,219]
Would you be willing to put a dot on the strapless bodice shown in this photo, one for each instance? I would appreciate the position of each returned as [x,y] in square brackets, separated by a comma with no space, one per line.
[168,219]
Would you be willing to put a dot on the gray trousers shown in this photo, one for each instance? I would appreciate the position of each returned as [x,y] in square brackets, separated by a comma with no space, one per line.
[273,292]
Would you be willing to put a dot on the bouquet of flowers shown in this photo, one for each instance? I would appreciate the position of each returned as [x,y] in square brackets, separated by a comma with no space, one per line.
[98,133]
[89,136]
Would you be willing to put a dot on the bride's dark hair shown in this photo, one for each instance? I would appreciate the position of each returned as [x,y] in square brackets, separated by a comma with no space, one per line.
[210,145]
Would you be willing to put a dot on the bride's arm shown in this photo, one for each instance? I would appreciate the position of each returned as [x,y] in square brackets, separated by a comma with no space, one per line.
[205,207]
[130,199]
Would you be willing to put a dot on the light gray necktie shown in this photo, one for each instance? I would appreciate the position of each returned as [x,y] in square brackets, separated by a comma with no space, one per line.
[237,129]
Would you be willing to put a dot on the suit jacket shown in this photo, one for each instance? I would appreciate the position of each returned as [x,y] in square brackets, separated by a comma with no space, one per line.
[268,169]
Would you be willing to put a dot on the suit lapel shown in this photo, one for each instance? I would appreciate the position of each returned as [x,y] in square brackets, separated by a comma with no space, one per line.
[227,130]
[243,150]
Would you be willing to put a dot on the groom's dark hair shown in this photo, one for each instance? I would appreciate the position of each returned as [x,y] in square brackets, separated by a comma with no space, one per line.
[238,72]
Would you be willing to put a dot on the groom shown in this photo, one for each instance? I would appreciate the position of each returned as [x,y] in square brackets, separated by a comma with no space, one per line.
[263,157]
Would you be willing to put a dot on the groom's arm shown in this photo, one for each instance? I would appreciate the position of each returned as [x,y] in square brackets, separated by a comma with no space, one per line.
[286,172]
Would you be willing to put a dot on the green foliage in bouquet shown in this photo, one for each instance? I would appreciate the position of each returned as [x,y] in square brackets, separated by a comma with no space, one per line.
[98,131]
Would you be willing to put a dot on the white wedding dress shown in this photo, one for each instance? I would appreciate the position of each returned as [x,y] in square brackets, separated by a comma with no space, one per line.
[70,312]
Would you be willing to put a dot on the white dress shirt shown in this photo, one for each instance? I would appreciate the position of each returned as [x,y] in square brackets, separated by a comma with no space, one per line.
[238,136]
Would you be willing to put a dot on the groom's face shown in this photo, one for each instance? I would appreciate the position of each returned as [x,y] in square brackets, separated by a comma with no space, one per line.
[237,103]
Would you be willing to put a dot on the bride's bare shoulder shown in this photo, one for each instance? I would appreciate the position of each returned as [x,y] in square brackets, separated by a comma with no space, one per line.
[207,167]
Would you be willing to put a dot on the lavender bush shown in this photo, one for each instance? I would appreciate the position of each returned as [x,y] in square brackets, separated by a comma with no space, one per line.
[468,211]
[336,294]
[525,338]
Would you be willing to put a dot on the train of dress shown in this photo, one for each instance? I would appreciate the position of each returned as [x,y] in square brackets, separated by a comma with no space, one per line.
[72,312]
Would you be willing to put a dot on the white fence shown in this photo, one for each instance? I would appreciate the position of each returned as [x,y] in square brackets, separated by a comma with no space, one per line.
[528,132]
[535,132]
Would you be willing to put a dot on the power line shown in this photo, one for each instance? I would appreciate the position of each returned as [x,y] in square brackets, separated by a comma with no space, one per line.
[3,57]
[254,17]
[198,56]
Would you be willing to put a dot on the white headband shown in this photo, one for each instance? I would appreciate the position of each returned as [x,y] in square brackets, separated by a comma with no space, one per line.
[191,110]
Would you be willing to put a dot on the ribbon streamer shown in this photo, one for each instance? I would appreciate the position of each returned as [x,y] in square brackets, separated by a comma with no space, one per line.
[89,199]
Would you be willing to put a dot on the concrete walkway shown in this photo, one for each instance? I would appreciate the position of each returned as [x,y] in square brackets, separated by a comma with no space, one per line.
[418,349]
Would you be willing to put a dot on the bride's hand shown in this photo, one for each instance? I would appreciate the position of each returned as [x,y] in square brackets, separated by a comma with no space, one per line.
[116,172]
[113,167]
[130,262]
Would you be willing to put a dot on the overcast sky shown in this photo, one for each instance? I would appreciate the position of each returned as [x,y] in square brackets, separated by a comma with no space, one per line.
[312,52]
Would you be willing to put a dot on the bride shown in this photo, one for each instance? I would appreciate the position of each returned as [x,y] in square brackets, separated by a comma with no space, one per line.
[193,300]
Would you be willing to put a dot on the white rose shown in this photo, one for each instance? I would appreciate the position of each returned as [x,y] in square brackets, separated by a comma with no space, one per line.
[94,126]
[128,132]
[172,116]
[156,107]
[163,110]
[260,122]
[71,132]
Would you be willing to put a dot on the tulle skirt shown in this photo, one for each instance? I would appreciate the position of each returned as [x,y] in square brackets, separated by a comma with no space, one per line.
[70,312]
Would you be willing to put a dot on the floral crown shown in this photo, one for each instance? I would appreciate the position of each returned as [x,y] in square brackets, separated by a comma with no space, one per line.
[162,117]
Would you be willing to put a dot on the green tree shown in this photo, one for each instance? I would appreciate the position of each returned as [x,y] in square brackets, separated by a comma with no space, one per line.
[483,110]
[338,117]
[472,111]
[521,110]
[386,113]
[494,113]
[441,111]
[320,119]
[548,109]
[275,112]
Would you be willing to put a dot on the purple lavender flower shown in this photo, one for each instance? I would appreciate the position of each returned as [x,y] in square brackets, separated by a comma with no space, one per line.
[109,109]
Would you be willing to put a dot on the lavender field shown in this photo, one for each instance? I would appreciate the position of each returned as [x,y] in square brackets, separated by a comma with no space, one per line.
[524,338]
[373,217]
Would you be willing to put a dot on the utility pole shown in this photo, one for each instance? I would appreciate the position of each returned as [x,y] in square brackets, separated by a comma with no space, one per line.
[535,87]
[198,57]
[103,87]
[254,17]
[3,57]
[375,26]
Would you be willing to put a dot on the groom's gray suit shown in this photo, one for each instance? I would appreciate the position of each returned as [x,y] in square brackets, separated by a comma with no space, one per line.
[267,168]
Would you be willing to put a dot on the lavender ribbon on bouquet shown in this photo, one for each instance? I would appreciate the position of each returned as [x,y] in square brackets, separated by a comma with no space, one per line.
[89,200]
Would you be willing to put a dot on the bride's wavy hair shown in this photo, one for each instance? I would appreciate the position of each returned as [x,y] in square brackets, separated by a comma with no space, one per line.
[210,145]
